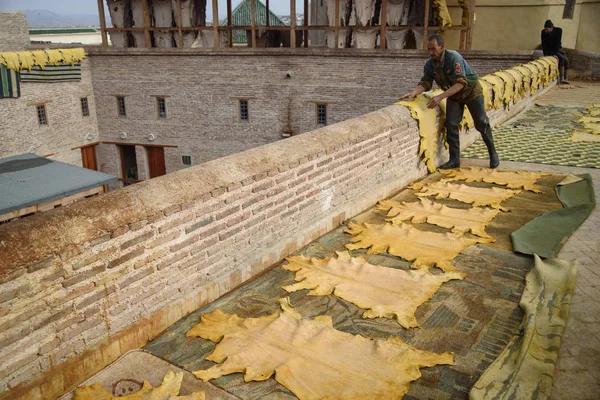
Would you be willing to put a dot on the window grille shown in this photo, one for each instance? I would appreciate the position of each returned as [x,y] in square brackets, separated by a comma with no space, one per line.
[41,114]
[161,106]
[321,114]
[244,115]
[85,110]
[121,106]
[186,160]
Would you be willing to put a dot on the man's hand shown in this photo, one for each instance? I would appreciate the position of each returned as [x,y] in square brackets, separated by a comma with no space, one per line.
[410,95]
[435,101]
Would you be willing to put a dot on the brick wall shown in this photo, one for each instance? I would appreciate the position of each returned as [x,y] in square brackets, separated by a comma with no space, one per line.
[586,62]
[66,128]
[83,284]
[203,88]
[14,35]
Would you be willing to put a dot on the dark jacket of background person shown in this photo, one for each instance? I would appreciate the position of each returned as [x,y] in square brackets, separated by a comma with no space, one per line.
[551,41]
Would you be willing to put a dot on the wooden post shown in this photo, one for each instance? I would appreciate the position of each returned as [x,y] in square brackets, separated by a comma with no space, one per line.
[253,16]
[470,27]
[179,23]
[293,24]
[230,22]
[146,23]
[306,22]
[337,23]
[215,11]
[426,24]
[102,23]
[268,14]
[383,23]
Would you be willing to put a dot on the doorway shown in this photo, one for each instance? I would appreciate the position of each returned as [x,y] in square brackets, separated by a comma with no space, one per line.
[156,161]
[129,171]
[88,157]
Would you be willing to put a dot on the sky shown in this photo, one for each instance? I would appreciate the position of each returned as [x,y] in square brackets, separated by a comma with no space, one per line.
[78,7]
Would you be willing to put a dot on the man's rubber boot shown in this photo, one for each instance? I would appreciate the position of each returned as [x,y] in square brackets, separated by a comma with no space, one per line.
[454,161]
[488,139]
[563,75]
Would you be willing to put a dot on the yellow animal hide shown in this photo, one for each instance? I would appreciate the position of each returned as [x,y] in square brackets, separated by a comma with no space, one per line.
[459,220]
[475,196]
[497,90]
[511,179]
[383,292]
[428,130]
[310,357]
[534,73]
[168,390]
[488,95]
[444,18]
[424,249]
[19,60]
[519,90]
[509,88]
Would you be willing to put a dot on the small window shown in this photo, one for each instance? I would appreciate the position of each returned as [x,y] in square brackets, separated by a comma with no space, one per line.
[161,107]
[85,110]
[569,9]
[41,114]
[121,106]
[186,160]
[244,110]
[321,114]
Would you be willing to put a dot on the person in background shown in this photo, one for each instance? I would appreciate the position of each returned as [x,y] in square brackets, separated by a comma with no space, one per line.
[552,46]
[461,87]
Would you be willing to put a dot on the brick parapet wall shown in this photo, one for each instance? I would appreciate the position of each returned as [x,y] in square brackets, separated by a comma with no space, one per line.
[203,87]
[14,34]
[67,128]
[586,62]
[81,285]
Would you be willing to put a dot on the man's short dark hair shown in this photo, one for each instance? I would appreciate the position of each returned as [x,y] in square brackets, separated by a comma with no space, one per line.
[438,38]
[548,24]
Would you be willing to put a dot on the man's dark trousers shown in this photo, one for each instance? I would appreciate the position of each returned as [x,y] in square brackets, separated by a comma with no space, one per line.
[454,115]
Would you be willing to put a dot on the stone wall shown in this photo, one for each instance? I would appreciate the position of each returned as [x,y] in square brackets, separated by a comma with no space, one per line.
[14,34]
[67,127]
[83,284]
[202,89]
[585,62]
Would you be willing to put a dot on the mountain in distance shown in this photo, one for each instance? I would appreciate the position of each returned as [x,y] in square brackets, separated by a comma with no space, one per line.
[49,19]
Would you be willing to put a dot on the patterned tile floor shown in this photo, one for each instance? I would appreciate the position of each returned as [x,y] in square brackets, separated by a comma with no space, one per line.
[541,135]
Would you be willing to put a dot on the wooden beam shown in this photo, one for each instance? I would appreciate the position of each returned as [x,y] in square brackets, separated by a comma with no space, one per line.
[146,23]
[215,11]
[230,22]
[306,22]
[293,24]
[102,23]
[426,24]
[253,22]
[470,27]
[141,144]
[337,23]
[268,16]
[179,23]
[383,23]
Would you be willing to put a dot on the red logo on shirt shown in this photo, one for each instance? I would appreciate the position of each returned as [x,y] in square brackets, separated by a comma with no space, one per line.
[457,69]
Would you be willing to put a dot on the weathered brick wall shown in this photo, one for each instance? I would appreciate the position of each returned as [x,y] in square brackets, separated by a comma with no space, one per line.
[83,284]
[203,87]
[586,62]
[14,34]
[66,128]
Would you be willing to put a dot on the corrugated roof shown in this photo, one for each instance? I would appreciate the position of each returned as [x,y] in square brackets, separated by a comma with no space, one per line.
[27,180]
[242,16]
